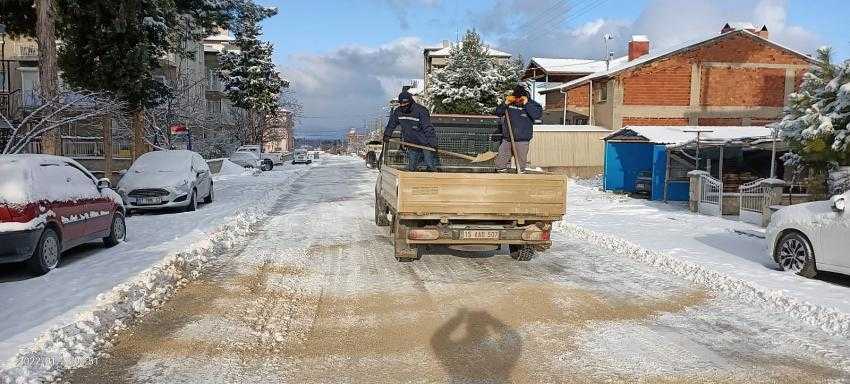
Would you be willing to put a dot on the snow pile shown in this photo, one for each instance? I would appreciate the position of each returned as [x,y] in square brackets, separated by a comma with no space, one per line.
[829,319]
[230,168]
[77,344]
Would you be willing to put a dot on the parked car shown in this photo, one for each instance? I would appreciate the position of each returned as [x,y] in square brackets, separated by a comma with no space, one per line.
[251,160]
[300,156]
[49,204]
[643,183]
[167,179]
[274,157]
[811,237]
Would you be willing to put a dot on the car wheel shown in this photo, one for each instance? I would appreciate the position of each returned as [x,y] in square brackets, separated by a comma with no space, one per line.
[193,203]
[118,231]
[210,196]
[521,252]
[794,254]
[46,255]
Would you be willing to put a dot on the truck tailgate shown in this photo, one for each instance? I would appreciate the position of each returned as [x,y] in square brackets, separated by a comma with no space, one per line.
[482,194]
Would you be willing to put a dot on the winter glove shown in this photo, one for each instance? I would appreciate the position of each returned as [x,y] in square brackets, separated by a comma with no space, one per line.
[510,100]
[521,100]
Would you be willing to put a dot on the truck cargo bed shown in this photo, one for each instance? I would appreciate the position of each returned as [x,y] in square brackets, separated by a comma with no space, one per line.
[474,196]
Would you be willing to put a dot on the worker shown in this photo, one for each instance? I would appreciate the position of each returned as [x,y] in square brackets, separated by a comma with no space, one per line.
[416,128]
[523,113]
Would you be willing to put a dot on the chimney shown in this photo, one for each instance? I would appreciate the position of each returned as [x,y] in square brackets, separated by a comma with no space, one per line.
[638,46]
[447,43]
[763,32]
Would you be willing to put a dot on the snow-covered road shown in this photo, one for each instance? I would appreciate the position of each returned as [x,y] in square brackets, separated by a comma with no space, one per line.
[31,305]
[318,297]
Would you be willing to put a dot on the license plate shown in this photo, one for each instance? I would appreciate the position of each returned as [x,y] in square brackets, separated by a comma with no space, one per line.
[149,200]
[480,235]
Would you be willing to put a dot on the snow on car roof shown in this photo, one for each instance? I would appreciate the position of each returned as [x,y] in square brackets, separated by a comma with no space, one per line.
[21,184]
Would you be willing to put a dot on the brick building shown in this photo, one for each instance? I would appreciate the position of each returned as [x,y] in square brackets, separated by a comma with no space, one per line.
[738,77]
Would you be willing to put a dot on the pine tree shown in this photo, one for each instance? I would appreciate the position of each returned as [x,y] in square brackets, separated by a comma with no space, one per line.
[816,123]
[250,78]
[116,45]
[471,82]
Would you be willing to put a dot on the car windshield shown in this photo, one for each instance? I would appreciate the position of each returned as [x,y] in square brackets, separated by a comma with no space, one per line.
[165,161]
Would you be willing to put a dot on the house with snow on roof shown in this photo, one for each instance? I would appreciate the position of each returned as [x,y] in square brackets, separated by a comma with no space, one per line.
[543,74]
[735,78]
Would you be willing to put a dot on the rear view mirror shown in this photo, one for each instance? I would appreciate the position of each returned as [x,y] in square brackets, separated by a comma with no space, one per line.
[839,203]
[103,183]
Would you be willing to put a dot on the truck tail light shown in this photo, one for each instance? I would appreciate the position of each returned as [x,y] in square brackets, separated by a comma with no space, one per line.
[423,234]
[535,235]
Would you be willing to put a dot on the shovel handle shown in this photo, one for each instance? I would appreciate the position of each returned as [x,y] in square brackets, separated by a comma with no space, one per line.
[455,154]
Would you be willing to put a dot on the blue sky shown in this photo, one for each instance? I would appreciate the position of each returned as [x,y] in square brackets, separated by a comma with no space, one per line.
[345,58]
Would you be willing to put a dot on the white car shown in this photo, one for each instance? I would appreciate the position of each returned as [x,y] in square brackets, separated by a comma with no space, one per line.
[300,156]
[167,179]
[275,158]
[811,237]
[251,160]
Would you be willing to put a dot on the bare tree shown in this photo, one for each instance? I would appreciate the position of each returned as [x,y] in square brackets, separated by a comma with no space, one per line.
[63,109]
[186,105]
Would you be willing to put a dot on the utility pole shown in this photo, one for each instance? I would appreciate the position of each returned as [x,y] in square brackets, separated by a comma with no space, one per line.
[699,133]
[608,53]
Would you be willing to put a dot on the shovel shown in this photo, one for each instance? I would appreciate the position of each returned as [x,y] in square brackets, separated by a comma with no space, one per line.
[480,158]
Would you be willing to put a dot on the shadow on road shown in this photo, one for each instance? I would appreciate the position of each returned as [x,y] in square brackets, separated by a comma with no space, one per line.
[474,346]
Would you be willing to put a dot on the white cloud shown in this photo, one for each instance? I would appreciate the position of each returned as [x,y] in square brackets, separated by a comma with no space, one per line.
[666,22]
[349,84]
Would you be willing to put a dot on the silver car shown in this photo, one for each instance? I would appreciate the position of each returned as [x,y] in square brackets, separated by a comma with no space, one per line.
[167,179]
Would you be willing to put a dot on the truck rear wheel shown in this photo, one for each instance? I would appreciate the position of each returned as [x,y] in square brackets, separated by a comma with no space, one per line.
[404,252]
[521,252]
[381,213]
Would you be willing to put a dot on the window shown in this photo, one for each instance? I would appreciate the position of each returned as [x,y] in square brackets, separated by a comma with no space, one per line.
[580,121]
[3,85]
[601,92]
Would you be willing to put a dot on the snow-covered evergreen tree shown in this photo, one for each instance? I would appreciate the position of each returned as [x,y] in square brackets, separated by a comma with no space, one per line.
[471,82]
[816,123]
[250,78]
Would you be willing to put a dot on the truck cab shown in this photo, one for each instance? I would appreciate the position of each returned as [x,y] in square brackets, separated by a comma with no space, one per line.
[463,205]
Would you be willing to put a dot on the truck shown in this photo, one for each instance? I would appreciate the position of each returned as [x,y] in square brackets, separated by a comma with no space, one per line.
[373,153]
[466,206]
[301,156]
[275,157]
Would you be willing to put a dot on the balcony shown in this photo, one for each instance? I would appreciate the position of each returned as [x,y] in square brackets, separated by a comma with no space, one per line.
[91,147]
[28,52]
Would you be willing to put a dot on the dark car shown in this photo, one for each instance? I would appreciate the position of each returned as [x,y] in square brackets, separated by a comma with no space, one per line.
[643,183]
[49,204]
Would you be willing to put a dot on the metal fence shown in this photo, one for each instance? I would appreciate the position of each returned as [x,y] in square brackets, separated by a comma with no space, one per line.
[711,196]
[82,147]
[465,138]
[753,200]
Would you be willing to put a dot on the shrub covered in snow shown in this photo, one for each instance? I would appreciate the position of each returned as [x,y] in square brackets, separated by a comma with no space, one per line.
[816,123]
